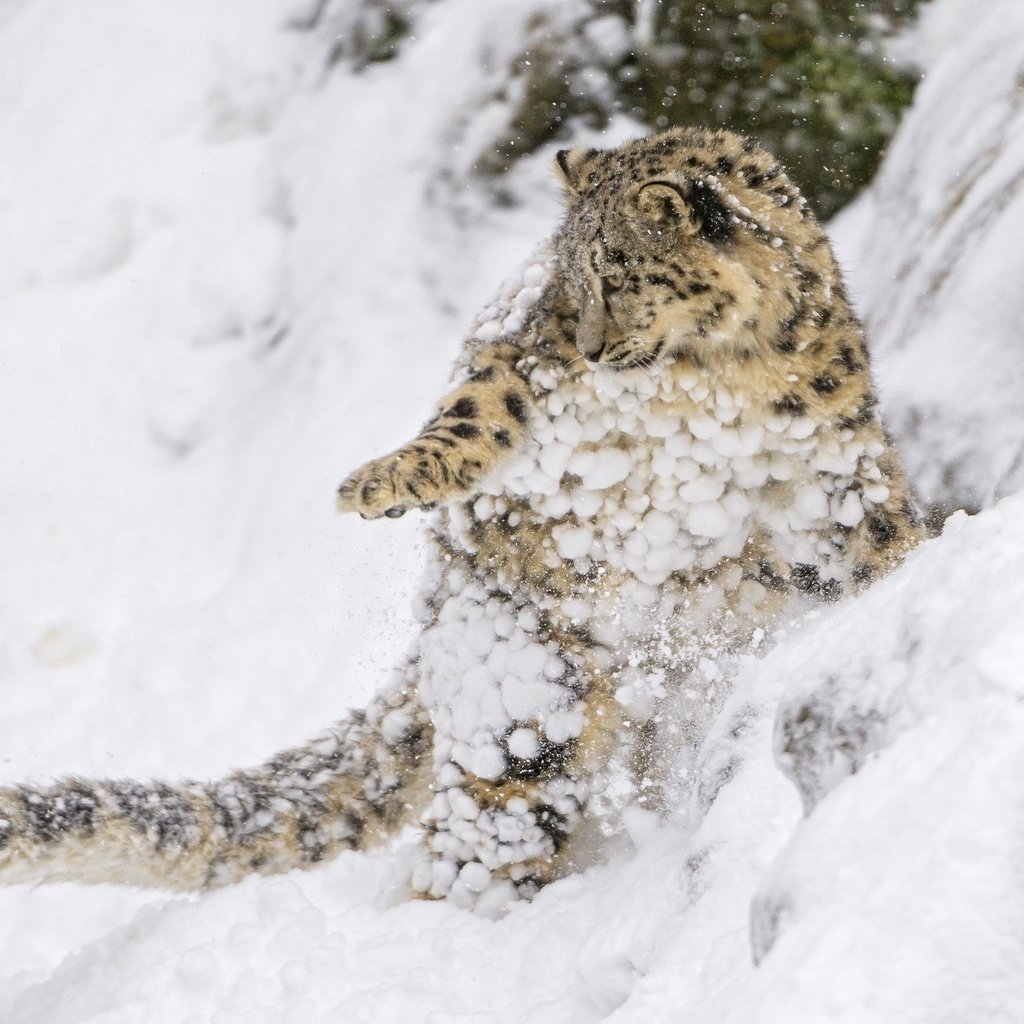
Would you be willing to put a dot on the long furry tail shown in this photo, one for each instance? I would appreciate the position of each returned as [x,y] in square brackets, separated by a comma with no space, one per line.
[344,791]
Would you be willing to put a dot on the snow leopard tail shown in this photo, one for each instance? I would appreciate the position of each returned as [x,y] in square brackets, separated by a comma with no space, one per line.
[348,789]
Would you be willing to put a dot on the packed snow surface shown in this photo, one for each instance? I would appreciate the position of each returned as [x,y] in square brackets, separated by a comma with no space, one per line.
[230,272]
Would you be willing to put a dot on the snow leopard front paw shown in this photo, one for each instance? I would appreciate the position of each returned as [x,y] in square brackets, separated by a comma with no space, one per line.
[389,487]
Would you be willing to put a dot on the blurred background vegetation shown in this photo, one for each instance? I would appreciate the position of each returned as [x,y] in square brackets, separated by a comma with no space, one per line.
[810,78]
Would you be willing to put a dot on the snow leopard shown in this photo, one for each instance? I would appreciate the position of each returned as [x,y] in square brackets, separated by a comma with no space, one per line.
[659,439]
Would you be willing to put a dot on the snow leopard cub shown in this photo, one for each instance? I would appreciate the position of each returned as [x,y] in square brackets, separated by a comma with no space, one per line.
[662,433]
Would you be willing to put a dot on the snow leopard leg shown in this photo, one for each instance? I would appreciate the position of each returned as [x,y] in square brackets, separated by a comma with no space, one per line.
[479,423]
[345,790]
[525,719]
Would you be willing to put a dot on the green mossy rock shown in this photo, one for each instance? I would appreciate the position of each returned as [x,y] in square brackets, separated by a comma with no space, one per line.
[809,78]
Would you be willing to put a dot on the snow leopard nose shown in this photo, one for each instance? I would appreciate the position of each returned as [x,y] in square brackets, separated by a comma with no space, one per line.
[591,330]
[590,345]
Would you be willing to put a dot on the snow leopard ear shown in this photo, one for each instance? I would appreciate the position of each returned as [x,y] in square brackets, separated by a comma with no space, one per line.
[569,164]
[693,207]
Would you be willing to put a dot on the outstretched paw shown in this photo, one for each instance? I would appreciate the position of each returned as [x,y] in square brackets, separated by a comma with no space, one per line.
[388,487]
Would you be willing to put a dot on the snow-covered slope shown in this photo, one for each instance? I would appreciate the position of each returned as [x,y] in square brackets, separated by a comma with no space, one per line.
[935,248]
[214,257]
[229,272]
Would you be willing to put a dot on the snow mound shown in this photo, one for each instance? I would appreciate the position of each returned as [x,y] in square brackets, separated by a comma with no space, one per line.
[901,727]
[936,263]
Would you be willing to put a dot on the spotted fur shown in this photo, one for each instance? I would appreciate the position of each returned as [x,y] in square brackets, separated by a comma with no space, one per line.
[678,441]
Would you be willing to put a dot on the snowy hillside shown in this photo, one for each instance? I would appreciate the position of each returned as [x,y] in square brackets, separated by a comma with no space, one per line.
[235,261]
[936,259]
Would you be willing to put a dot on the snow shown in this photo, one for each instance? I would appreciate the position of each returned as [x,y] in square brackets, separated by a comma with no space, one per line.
[609,466]
[647,479]
[229,276]
[936,263]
